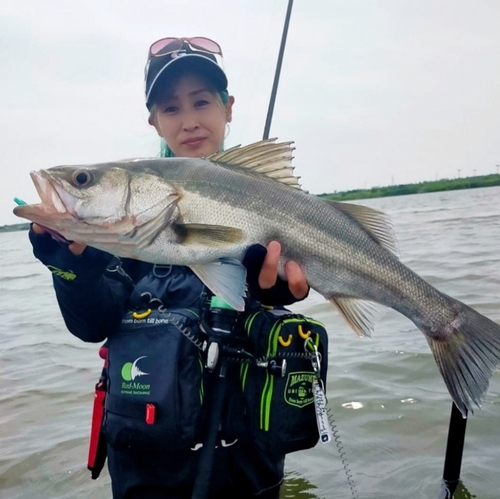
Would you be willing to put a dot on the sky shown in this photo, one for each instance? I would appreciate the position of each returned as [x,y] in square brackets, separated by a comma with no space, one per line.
[372,92]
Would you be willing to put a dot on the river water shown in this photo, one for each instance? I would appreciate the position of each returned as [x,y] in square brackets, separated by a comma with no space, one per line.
[389,403]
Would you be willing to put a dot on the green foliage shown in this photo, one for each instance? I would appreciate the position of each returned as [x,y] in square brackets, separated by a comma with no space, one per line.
[14,227]
[403,189]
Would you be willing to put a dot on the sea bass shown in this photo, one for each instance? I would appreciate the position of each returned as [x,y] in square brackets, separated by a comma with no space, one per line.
[204,213]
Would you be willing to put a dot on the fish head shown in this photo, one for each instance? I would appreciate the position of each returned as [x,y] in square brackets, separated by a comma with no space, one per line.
[82,203]
[86,193]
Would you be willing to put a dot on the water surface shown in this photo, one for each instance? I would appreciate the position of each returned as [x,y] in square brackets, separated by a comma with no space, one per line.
[389,403]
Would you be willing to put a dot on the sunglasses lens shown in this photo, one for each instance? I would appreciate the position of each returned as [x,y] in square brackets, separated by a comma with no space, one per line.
[165,45]
[205,44]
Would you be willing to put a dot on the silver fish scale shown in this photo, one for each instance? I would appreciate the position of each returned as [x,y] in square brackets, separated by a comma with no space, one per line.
[338,257]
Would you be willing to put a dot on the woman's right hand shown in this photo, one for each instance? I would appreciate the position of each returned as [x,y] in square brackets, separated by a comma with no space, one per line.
[76,248]
[73,261]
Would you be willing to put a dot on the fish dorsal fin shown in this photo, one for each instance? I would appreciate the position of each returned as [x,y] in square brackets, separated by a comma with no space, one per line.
[376,223]
[267,157]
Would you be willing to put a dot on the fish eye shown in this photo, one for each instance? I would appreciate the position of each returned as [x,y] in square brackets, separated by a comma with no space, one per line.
[82,177]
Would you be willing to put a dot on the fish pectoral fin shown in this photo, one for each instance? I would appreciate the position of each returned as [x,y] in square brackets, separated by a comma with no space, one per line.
[266,157]
[208,235]
[143,235]
[226,278]
[375,223]
[359,314]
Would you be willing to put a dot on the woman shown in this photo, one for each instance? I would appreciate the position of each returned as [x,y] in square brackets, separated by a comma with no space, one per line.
[186,94]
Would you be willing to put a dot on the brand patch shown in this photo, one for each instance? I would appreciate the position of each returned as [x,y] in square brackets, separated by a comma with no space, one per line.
[130,371]
[298,389]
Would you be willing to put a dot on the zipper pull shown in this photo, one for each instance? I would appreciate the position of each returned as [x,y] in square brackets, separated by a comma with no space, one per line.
[319,396]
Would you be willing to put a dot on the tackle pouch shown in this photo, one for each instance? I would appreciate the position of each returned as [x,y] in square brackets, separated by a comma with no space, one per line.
[154,395]
[278,389]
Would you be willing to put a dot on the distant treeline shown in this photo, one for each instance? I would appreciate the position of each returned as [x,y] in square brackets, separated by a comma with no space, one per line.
[14,227]
[403,189]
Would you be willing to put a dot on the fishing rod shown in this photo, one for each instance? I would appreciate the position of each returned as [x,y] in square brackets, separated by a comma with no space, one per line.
[454,452]
[274,90]
[458,424]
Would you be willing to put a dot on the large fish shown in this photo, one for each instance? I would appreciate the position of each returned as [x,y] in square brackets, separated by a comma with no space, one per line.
[204,213]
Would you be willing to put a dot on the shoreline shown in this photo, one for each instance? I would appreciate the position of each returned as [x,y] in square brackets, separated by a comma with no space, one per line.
[454,184]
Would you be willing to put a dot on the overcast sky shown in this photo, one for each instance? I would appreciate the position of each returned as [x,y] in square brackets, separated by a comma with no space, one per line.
[373,92]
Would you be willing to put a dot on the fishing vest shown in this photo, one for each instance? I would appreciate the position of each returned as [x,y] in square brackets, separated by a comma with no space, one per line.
[153,389]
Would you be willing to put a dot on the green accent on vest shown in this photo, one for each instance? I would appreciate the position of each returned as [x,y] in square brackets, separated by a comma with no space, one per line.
[69,275]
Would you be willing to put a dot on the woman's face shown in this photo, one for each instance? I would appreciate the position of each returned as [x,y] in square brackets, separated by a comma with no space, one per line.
[192,119]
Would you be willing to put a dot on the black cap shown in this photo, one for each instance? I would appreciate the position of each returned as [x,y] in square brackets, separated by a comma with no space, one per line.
[160,68]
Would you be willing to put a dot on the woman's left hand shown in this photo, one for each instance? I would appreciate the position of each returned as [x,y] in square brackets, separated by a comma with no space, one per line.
[264,283]
[269,273]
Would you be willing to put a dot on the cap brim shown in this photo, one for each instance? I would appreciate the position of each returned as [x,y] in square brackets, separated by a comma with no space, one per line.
[173,67]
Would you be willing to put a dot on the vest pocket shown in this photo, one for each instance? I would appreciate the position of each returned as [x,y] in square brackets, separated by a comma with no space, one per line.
[280,402]
[155,382]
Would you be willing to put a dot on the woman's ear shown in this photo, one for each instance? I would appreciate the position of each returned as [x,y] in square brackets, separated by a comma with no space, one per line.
[152,121]
[229,109]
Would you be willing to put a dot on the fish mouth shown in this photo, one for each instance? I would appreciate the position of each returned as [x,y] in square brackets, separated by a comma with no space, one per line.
[51,200]
[51,212]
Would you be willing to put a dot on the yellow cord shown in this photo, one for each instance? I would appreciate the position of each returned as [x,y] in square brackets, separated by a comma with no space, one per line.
[302,334]
[285,343]
[142,315]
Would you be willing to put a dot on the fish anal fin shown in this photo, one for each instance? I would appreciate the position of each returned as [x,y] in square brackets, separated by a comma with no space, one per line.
[374,222]
[360,315]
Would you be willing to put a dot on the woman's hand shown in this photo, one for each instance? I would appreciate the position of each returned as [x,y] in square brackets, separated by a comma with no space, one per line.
[269,273]
[67,260]
[75,248]
[264,283]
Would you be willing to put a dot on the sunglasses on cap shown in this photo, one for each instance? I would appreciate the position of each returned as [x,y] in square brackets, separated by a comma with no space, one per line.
[170,45]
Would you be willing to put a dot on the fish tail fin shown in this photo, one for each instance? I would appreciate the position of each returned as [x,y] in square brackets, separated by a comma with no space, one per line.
[467,351]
